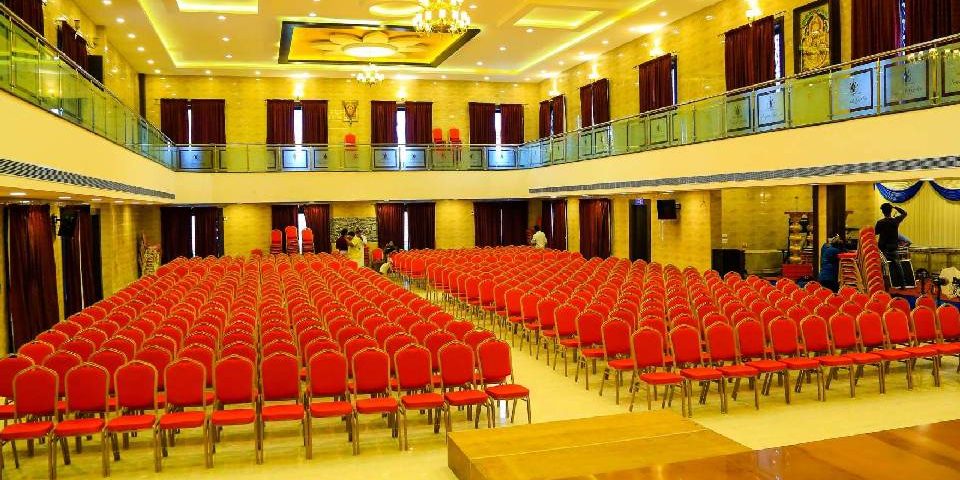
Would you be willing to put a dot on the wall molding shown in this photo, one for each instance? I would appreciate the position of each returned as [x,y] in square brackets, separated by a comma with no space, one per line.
[35,172]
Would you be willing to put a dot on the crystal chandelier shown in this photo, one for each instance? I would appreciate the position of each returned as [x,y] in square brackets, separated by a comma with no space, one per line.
[441,16]
[370,75]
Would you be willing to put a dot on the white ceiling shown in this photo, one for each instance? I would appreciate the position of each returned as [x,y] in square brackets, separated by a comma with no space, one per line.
[192,43]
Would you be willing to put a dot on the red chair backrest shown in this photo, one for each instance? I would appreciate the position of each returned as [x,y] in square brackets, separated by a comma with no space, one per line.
[870,326]
[457,364]
[35,392]
[158,358]
[184,382]
[435,341]
[204,355]
[87,388]
[948,317]
[566,317]
[685,345]
[280,377]
[61,362]
[816,335]
[36,350]
[750,339]
[327,374]
[924,321]
[233,380]
[495,361]
[897,326]
[783,337]
[721,342]
[136,386]
[590,329]
[414,368]
[81,346]
[475,337]
[616,338]
[647,345]
[371,371]
[9,368]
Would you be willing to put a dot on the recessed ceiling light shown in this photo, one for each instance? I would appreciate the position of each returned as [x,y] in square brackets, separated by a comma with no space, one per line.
[118,201]
[529,30]
[225,39]
[503,49]
[221,17]
[606,42]
[150,62]
[443,77]
[96,200]
[207,72]
[486,78]
[157,71]
[256,72]
[131,35]
[526,79]
[561,62]
[645,29]
[473,7]
[18,194]
[140,48]
[708,18]
[312,14]
[663,13]
[369,50]
[479,64]
[64,198]
[228,56]
[120,20]
[108,2]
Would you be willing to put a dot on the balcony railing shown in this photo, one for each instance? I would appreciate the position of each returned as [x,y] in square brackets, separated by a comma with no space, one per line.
[34,70]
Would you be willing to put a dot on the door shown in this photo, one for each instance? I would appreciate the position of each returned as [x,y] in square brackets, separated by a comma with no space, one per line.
[640,230]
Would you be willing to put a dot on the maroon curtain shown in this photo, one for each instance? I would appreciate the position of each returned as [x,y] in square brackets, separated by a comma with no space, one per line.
[656,83]
[483,123]
[280,122]
[30,11]
[175,236]
[422,225]
[283,216]
[209,231]
[511,124]
[72,45]
[383,122]
[750,54]
[486,223]
[931,19]
[390,224]
[595,228]
[558,110]
[315,126]
[586,106]
[173,120]
[79,274]
[764,49]
[208,126]
[318,220]
[545,117]
[875,27]
[553,215]
[514,223]
[31,272]
[601,101]
[419,130]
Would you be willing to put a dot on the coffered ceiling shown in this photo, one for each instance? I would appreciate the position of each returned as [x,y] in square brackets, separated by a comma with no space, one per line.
[515,40]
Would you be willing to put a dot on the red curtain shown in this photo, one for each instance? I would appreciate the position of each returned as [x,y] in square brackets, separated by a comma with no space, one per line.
[486,223]
[175,228]
[280,122]
[595,228]
[422,225]
[283,216]
[875,27]
[545,117]
[931,19]
[31,272]
[173,120]
[483,123]
[318,220]
[511,124]
[79,274]
[586,106]
[72,45]
[558,110]
[656,83]
[30,11]
[383,122]
[315,125]
[750,54]
[208,125]
[500,223]
[419,129]
[553,216]
[601,101]
[389,224]
[514,223]
[209,231]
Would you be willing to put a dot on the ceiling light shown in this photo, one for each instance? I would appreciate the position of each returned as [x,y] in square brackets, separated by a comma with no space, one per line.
[561,62]
[395,9]
[645,29]
[526,79]
[118,201]
[479,64]
[150,62]
[207,72]
[529,30]
[708,18]
[312,14]
[18,194]
[441,16]
[370,75]
[140,48]
[131,35]
[120,20]
[473,7]
[156,71]
[225,39]
[605,42]
[663,13]
[256,72]
[228,56]
[369,50]
[486,78]
[65,197]
[108,2]
[221,17]
[443,77]
[96,200]
[503,49]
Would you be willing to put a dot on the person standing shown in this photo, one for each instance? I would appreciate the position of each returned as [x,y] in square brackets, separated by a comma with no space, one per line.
[539,239]
[888,239]
[357,244]
[830,263]
[343,245]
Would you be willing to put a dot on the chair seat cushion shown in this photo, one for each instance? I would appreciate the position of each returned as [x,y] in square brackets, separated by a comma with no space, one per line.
[6,412]
[130,423]
[767,366]
[570,343]
[237,416]
[21,431]
[182,420]
[419,401]
[922,352]
[661,378]
[621,364]
[863,358]
[377,405]
[800,363]
[592,352]
[80,426]
[548,333]
[532,325]
[330,409]
[892,354]
[507,391]
[835,360]
[942,348]
[281,413]
[701,373]
[738,371]
[465,397]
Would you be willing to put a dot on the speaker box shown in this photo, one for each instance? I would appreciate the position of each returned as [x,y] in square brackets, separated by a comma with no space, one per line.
[68,225]
[95,67]
[725,260]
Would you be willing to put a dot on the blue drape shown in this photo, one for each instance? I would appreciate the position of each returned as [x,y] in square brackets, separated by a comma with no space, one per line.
[952,194]
[899,196]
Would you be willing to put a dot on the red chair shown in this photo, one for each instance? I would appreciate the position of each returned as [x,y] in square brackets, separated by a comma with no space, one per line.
[327,379]
[53,337]
[647,347]
[280,382]
[81,346]
[292,237]
[688,356]
[234,384]
[874,340]
[459,328]
[616,353]
[61,362]
[158,358]
[786,350]
[136,388]
[276,242]
[457,382]
[900,335]
[36,350]
[307,240]
[454,135]
[87,391]
[566,331]
[371,376]
[589,344]
[846,341]
[924,326]
[185,380]
[752,351]
[415,387]
[722,351]
[9,368]
[816,341]
[496,375]
[437,135]
[35,392]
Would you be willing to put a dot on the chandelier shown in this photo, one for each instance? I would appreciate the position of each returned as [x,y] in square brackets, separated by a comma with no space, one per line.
[441,16]
[370,75]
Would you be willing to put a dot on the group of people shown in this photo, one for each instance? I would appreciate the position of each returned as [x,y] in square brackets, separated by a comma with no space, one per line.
[351,244]
[889,240]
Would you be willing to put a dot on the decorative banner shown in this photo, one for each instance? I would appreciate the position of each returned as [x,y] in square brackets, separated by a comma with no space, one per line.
[899,196]
[367,224]
[952,194]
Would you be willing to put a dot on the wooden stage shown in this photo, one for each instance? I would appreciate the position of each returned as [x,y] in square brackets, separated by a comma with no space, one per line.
[585,447]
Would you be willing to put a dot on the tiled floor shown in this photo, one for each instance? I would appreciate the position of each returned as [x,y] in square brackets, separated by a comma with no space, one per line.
[554,397]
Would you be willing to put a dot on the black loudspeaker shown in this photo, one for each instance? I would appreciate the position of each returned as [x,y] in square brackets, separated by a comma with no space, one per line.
[68,225]
[95,67]
[667,209]
[725,260]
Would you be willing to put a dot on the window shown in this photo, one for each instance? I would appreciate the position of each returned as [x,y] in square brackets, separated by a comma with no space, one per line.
[778,48]
[401,125]
[301,226]
[498,124]
[193,234]
[406,228]
[298,125]
[673,77]
[189,125]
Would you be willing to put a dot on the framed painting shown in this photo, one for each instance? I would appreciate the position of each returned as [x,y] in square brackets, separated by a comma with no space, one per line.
[816,35]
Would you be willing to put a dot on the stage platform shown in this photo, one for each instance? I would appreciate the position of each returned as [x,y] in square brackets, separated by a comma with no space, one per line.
[583,448]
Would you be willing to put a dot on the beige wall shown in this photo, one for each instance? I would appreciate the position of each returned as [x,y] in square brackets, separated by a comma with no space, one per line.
[121,225]
[686,241]
[755,218]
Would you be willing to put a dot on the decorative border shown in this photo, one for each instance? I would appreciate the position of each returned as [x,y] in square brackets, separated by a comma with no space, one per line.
[827,170]
[26,170]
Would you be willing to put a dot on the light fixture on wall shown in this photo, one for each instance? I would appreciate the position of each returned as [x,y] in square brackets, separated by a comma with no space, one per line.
[370,75]
[441,16]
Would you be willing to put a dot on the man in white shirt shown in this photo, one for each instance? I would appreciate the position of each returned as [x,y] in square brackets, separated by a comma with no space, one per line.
[539,239]
[356,243]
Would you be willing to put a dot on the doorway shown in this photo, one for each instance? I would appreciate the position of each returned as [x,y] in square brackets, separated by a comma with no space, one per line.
[640,239]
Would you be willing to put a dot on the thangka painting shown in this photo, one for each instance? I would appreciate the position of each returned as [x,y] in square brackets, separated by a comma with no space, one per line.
[367,224]
[816,34]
